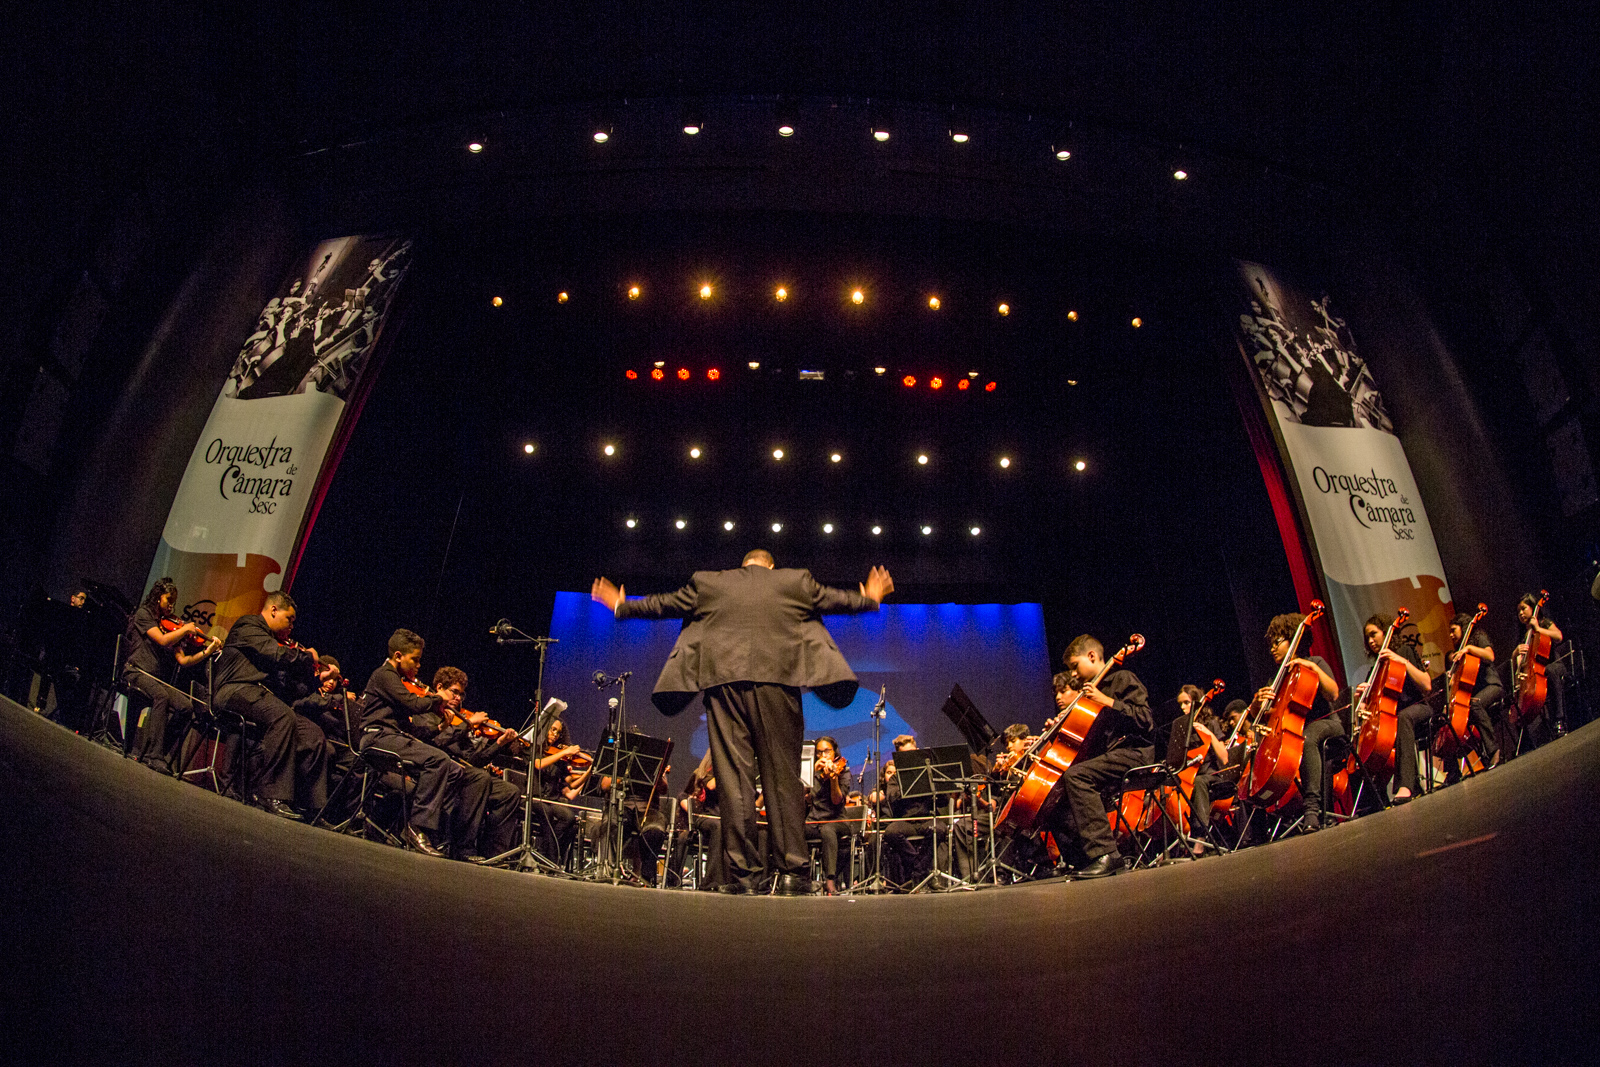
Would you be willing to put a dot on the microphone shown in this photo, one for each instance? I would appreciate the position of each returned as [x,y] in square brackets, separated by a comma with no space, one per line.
[883,697]
[613,702]
[603,682]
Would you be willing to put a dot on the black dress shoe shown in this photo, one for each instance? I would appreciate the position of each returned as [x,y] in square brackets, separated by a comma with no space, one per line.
[1103,867]
[1309,823]
[731,889]
[791,885]
[279,808]
[419,841]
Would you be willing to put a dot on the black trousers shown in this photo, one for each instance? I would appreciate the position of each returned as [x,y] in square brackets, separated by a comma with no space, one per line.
[150,736]
[1080,814]
[436,803]
[497,822]
[292,765]
[755,725]
[1328,726]
[829,833]
[557,828]
[1210,786]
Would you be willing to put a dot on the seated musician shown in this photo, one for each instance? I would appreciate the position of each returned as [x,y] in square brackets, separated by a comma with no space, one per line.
[701,790]
[1414,708]
[1210,781]
[909,818]
[1320,721]
[558,779]
[324,700]
[1543,728]
[1020,852]
[1486,695]
[1078,820]
[825,808]
[644,830]
[155,648]
[446,807]
[456,735]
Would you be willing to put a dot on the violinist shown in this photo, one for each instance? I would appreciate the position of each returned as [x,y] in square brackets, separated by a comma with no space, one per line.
[825,808]
[459,735]
[1022,852]
[910,817]
[446,808]
[1543,728]
[156,647]
[558,777]
[1079,820]
[701,790]
[1320,721]
[1210,782]
[256,662]
[1414,708]
[324,700]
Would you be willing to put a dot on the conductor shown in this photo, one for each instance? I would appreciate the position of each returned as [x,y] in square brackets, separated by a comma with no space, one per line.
[751,638]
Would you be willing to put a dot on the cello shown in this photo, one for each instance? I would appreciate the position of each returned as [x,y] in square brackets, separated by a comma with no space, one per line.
[1379,703]
[1454,737]
[1532,684]
[1275,768]
[1062,741]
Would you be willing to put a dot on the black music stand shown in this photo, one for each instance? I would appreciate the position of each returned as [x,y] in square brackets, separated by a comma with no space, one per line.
[936,773]
[633,762]
[960,710]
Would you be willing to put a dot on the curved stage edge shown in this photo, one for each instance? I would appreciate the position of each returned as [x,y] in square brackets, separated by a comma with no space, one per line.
[155,922]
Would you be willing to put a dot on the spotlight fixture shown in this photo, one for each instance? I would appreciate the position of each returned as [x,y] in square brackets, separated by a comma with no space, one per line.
[631,523]
[785,130]
[528,448]
[1080,465]
[1005,461]
[1181,175]
[683,374]
[777,453]
[922,459]
[754,364]
[835,458]
[909,381]
[610,450]
[857,296]
[713,373]
[975,531]
[661,363]
[933,302]
[880,371]
[780,294]
[1004,309]
[927,531]
[630,374]
[691,128]
[1062,153]
[658,374]
[787,113]
[876,530]
[959,138]
[1072,381]
[1072,316]
[777,527]
[827,527]
[1137,322]
[496,301]
[705,292]
[936,383]
[633,292]
[694,453]
[880,135]
[561,297]
[728,526]
[475,147]
[989,388]
[680,524]
[602,136]
[963,384]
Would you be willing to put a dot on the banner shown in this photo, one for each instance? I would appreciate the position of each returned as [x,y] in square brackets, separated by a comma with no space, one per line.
[1357,500]
[239,513]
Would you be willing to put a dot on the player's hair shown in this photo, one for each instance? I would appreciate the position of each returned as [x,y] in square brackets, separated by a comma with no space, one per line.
[163,586]
[759,555]
[281,600]
[1082,644]
[1062,680]
[1283,626]
[448,676]
[1015,732]
[403,640]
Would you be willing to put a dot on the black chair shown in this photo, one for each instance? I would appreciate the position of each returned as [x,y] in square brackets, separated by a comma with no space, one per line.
[378,764]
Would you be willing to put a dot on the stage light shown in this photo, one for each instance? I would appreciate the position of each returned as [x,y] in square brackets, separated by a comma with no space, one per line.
[880,371]
[972,374]
[857,296]
[680,524]
[631,523]
[683,374]
[1181,175]
[989,388]
[922,459]
[959,138]
[1072,381]
[962,384]
[975,531]
[633,292]
[610,450]
[1080,465]
[691,129]
[777,527]
[780,294]
[836,457]
[1072,316]
[754,364]
[705,292]
[601,137]
[661,363]
[927,531]
[694,453]
[933,302]
[561,297]
[777,453]
[1063,155]
[827,527]
[1004,309]
[786,130]
[880,135]
[1137,322]
[936,383]
[714,374]
[908,381]
[876,530]
[728,526]
[631,375]
[496,301]
[475,147]
[658,374]
[1005,461]
[528,448]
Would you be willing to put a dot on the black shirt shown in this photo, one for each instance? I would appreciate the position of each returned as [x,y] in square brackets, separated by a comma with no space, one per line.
[1320,705]
[144,653]
[1487,675]
[1131,722]
[820,805]
[1410,692]
[251,655]
[387,702]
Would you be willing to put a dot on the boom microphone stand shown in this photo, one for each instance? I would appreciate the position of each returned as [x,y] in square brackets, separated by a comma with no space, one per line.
[877,883]
[525,857]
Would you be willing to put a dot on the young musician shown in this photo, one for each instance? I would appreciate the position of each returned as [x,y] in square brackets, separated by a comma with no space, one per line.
[1543,729]
[825,808]
[446,806]
[1208,782]
[1414,708]
[1079,819]
[702,790]
[1486,694]
[153,654]
[910,817]
[498,831]
[1320,722]
[258,656]
[557,781]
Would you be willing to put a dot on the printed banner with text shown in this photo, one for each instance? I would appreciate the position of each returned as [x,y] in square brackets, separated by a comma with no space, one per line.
[233,525]
[1357,498]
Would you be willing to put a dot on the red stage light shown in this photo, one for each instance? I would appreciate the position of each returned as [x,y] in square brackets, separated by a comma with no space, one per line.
[936,383]
[908,381]
[632,375]
[962,384]
[713,374]
[989,388]
[657,374]
[683,374]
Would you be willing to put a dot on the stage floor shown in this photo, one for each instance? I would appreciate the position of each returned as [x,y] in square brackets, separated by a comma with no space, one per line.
[151,921]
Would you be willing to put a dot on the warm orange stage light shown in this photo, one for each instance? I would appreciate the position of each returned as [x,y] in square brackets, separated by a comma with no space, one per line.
[962,384]
[713,374]
[631,375]
[989,388]
[908,381]
[936,383]
[683,374]
[658,374]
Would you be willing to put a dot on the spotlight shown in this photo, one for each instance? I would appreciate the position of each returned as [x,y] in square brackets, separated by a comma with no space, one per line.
[787,113]
[475,147]
[680,524]
[561,297]
[927,530]
[601,136]
[959,138]
[610,450]
[777,453]
[908,381]
[661,363]
[962,384]
[933,302]
[922,459]
[528,448]
[694,453]
[880,135]
[1072,316]
[876,530]
[780,294]
[975,531]
[1181,175]
[658,374]
[879,371]
[1072,381]
[691,129]
[1063,155]
[728,526]
[857,296]
[836,457]
[989,388]
[631,523]
[683,374]
[705,292]
[633,292]
[1137,322]
[1080,465]
[496,301]
[786,130]
[713,374]
[777,527]
[827,527]
[754,364]
[1004,309]
[1005,461]
[631,375]
[972,374]
[936,383]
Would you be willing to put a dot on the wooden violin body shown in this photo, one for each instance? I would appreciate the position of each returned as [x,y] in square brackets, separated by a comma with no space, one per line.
[1533,685]
[1275,768]
[191,643]
[1377,711]
[1454,736]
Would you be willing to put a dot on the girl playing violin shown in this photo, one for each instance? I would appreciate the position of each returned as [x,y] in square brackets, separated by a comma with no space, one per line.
[156,644]
[825,814]
[558,775]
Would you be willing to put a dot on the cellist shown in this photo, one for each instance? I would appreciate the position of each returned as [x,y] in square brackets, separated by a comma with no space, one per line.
[1486,694]
[1541,730]
[1321,723]
[1080,818]
[1414,707]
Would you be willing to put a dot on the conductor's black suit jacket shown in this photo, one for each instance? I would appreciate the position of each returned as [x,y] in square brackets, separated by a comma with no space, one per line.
[751,624]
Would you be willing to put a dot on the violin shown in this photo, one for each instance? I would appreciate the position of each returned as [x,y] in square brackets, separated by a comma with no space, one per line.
[1177,801]
[1062,741]
[1532,684]
[1272,778]
[1376,711]
[488,729]
[1454,738]
[191,643]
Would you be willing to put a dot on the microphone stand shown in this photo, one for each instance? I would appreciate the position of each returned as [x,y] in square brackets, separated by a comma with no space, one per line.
[524,856]
[877,883]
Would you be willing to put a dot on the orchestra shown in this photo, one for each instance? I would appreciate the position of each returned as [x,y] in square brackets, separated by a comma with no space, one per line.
[1047,801]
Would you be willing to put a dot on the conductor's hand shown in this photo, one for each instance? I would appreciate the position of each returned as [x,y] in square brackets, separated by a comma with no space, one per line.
[608,594]
[878,585]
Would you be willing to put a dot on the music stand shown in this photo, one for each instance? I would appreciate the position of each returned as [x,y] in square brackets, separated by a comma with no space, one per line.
[633,762]
[966,717]
[933,773]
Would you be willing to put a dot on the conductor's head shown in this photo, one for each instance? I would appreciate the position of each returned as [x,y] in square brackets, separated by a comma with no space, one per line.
[759,556]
